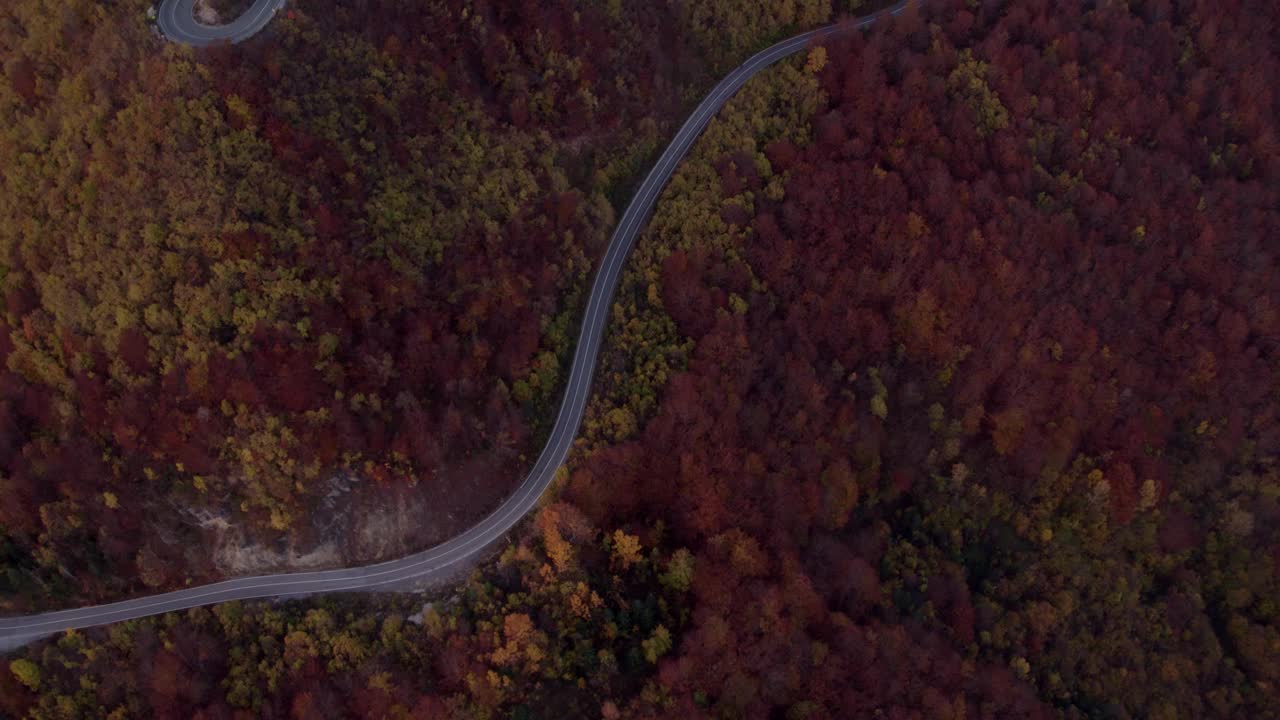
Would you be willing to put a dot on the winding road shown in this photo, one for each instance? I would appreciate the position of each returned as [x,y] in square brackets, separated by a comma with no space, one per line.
[438,562]
[176,19]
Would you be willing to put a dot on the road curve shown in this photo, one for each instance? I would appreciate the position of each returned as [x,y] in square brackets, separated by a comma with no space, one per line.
[176,19]
[439,561]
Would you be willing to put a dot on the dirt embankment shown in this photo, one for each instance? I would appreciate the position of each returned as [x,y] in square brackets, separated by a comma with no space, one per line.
[220,12]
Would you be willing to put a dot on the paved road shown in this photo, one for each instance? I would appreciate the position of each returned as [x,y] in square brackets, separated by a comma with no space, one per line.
[440,561]
[177,21]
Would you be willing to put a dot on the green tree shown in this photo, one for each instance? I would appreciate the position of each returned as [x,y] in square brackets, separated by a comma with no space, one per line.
[27,672]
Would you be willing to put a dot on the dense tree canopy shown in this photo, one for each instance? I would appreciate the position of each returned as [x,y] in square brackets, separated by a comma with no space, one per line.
[339,261]
[942,383]
[988,357]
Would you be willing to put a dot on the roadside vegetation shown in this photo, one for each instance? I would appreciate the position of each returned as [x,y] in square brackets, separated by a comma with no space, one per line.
[225,10]
[942,383]
[264,302]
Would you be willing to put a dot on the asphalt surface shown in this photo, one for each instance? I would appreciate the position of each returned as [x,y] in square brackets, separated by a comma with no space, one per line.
[176,19]
[439,562]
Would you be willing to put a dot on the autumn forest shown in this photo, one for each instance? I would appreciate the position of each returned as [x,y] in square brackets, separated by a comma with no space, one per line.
[942,382]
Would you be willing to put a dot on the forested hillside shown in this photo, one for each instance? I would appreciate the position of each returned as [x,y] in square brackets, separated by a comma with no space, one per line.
[306,300]
[980,383]
[977,397]
[943,383]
